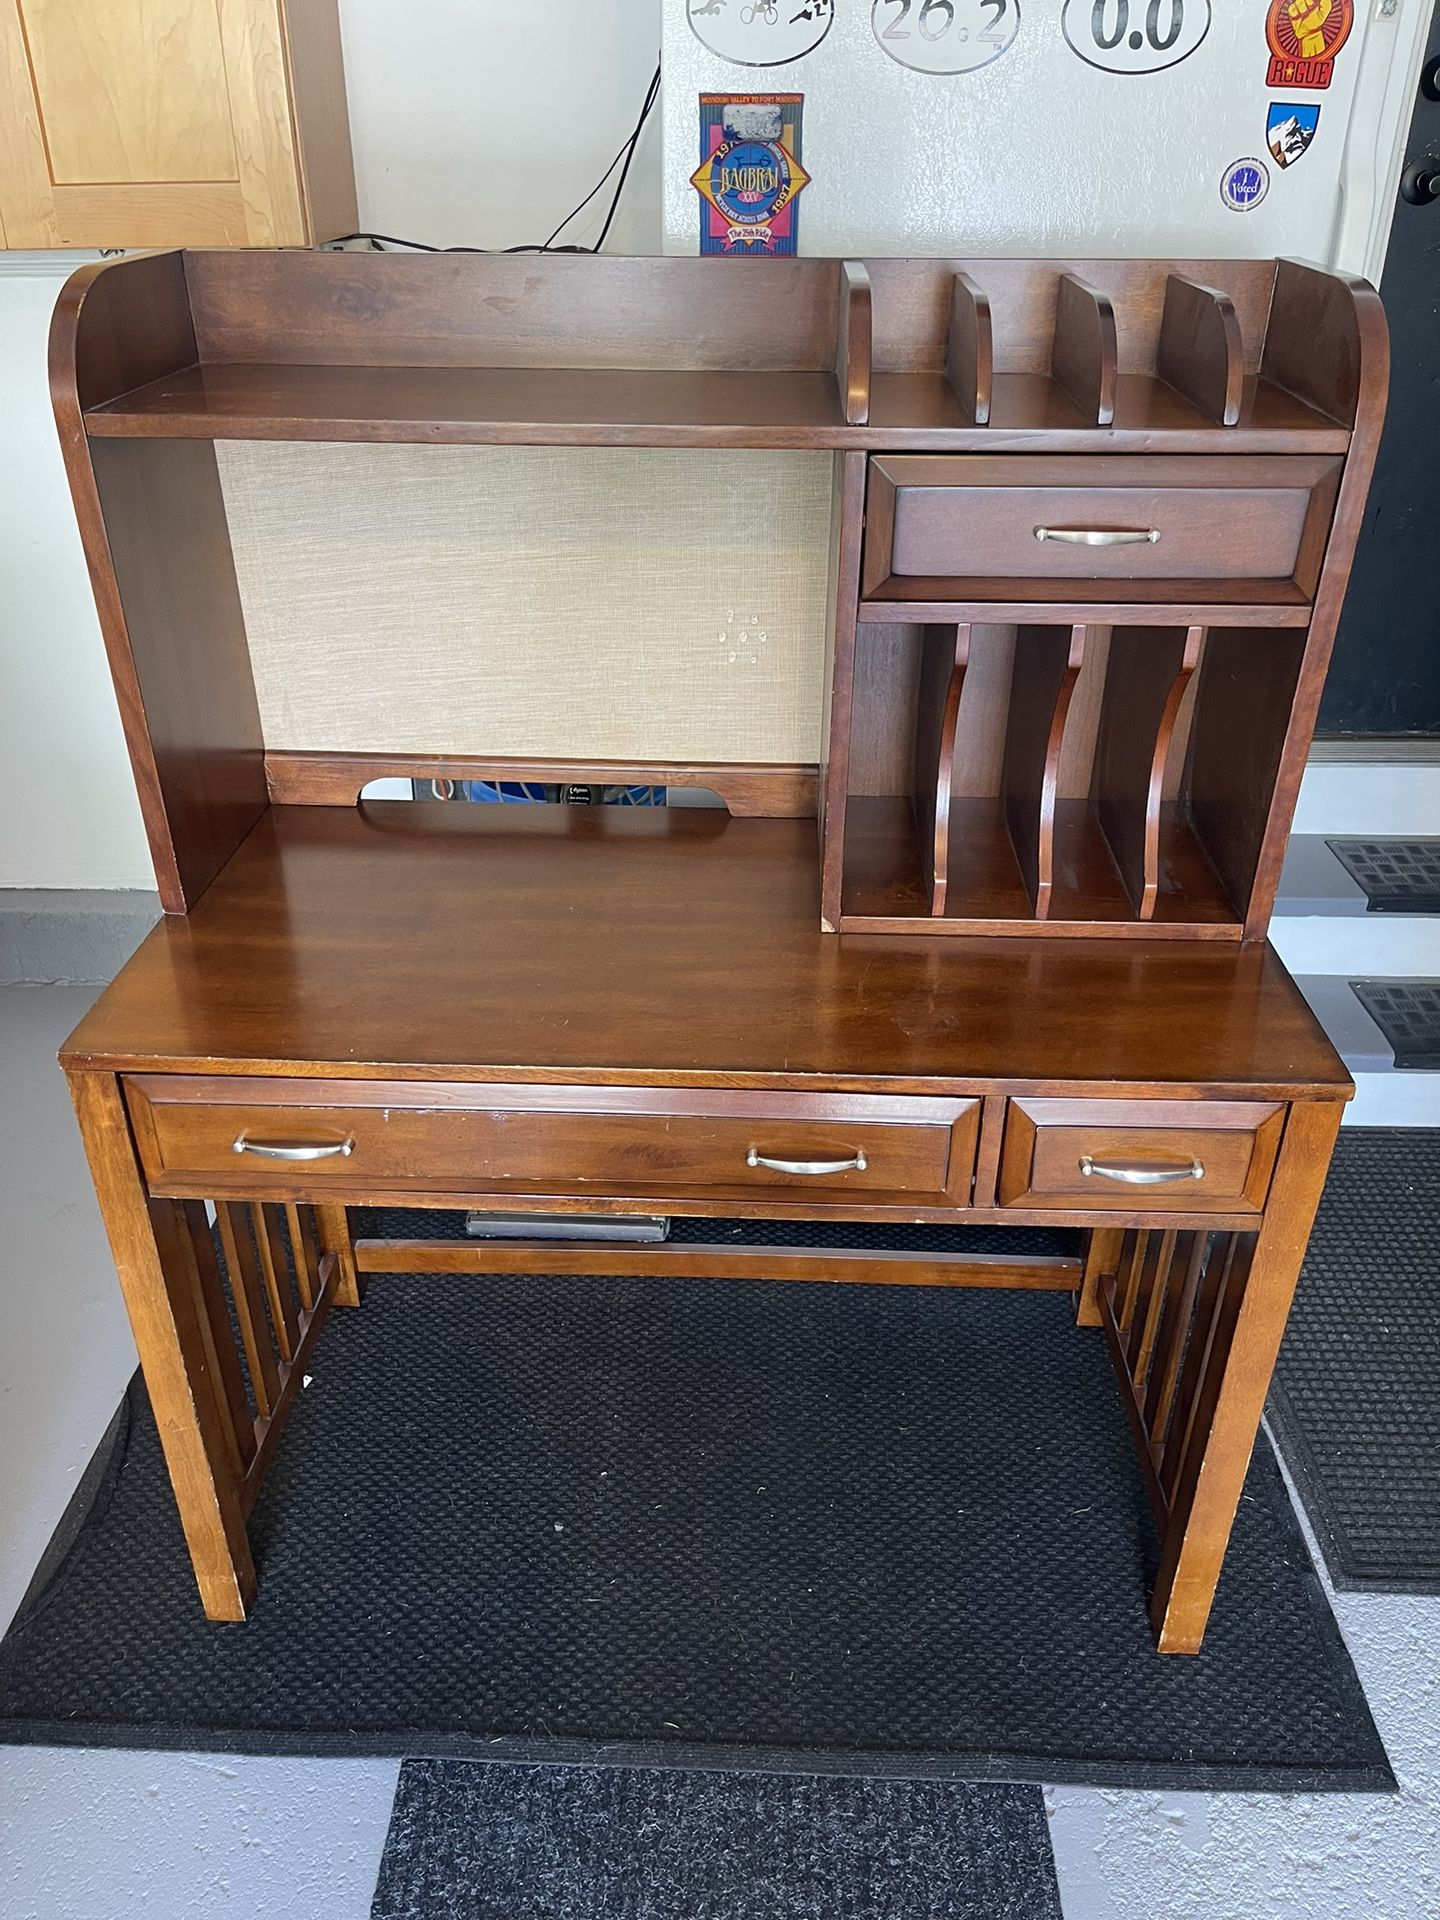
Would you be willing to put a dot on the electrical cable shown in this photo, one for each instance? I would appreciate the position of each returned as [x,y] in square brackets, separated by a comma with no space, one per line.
[625,155]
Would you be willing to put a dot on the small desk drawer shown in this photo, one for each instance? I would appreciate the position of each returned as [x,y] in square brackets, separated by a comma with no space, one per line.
[293,1139]
[1136,1156]
[1143,518]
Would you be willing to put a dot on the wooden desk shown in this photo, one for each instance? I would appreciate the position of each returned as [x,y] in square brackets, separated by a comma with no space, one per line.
[995,953]
[608,1011]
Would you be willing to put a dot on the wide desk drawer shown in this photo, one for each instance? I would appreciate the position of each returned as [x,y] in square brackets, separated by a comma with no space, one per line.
[1149,1156]
[1203,518]
[296,1138]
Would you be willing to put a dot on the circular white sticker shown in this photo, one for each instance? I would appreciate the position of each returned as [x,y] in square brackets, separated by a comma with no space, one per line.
[1135,36]
[945,36]
[760,33]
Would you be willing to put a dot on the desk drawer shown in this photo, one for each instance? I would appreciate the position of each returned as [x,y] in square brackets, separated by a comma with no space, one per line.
[1143,518]
[297,1139]
[1149,1156]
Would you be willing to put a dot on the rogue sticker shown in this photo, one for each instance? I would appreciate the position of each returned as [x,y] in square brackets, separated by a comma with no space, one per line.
[1244,184]
[945,36]
[1289,129]
[1135,36]
[1304,37]
[750,175]
[760,33]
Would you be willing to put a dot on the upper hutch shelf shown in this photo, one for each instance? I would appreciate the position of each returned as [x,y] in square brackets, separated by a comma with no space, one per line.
[1022,575]
[894,355]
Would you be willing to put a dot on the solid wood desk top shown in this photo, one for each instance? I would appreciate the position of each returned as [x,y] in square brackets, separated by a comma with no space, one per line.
[664,947]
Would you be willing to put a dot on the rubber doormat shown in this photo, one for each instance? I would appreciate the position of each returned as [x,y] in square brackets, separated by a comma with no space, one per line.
[1396,876]
[1355,1406]
[1407,1012]
[471,1842]
[857,1530]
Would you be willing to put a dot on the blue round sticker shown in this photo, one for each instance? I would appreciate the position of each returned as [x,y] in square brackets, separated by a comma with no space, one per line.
[1244,184]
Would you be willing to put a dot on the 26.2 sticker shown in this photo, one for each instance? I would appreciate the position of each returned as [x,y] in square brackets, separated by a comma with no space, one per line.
[1135,36]
[945,36]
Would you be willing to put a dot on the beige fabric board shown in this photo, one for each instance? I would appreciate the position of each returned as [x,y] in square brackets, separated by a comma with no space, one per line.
[578,602]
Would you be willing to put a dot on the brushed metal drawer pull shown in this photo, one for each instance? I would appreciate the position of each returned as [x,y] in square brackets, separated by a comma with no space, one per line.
[275,1150]
[754,1159]
[1139,1176]
[1100,536]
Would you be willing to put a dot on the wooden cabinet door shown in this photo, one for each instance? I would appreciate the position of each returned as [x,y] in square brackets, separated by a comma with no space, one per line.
[136,123]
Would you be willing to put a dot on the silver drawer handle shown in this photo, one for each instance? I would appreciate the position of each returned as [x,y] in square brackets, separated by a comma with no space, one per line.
[1139,1176]
[754,1159]
[1100,536]
[273,1150]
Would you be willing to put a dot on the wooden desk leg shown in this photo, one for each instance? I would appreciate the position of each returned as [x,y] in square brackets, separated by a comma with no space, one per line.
[1253,1302]
[333,1226]
[155,1257]
[1102,1259]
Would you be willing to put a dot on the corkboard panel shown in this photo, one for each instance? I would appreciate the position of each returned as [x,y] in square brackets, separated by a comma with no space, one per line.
[572,602]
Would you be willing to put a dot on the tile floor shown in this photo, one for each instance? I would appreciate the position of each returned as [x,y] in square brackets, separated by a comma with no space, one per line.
[122,1836]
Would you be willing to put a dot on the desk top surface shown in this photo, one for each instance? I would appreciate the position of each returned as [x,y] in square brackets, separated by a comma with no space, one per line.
[666,947]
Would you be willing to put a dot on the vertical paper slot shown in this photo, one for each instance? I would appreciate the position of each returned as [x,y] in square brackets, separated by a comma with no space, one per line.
[970,349]
[1084,357]
[1148,671]
[853,342]
[1046,667]
[945,654]
[1199,352]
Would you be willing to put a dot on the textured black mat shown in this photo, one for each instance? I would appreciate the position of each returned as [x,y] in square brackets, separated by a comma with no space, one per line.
[1407,1012]
[623,1843]
[720,1524]
[1396,876]
[1355,1405]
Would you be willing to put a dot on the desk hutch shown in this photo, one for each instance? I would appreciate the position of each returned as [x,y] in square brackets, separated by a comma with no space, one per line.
[993,598]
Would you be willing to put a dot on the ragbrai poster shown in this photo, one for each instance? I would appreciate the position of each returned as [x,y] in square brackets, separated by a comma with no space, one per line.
[750,177]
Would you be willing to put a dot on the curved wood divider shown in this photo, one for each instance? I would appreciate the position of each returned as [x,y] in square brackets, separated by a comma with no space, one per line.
[853,333]
[970,349]
[1042,681]
[1146,677]
[1200,353]
[1084,356]
[944,657]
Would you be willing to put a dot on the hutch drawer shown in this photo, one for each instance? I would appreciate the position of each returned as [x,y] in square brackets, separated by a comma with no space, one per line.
[1134,1155]
[298,1139]
[1144,518]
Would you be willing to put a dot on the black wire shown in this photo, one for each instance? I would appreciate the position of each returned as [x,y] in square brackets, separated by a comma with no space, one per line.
[626,154]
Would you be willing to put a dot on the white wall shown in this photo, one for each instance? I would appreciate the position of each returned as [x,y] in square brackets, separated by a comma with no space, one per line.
[1040,153]
[68,812]
[473,126]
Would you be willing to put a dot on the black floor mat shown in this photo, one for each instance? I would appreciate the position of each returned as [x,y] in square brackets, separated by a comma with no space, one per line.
[1407,1012]
[864,1530]
[1355,1405]
[1396,876]
[622,1843]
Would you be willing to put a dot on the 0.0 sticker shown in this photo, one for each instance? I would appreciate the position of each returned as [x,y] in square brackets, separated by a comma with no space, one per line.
[760,33]
[945,36]
[1135,36]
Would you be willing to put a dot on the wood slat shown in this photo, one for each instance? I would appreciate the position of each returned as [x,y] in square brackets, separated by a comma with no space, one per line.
[1170,1341]
[304,1253]
[248,1294]
[268,1432]
[1216,1311]
[1046,667]
[218,1335]
[274,1269]
[1142,1344]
